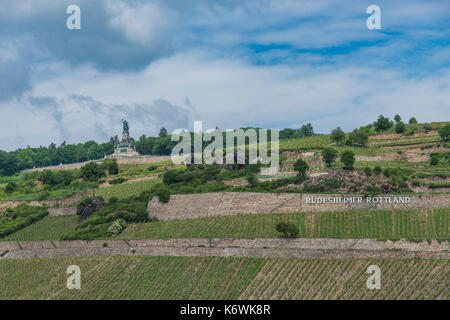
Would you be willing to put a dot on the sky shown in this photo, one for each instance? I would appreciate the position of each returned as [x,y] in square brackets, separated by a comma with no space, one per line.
[235,63]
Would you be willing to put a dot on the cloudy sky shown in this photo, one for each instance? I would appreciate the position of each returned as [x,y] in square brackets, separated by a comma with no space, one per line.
[264,63]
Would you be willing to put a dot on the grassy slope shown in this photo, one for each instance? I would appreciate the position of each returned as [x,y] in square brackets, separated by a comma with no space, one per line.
[49,228]
[125,190]
[222,278]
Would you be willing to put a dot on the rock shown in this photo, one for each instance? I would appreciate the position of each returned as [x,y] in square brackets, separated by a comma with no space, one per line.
[89,206]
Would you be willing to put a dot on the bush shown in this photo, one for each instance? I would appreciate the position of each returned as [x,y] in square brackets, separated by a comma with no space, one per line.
[11,187]
[251,179]
[14,219]
[359,137]
[287,229]
[301,166]
[163,192]
[113,200]
[412,120]
[434,160]
[152,168]
[111,166]
[43,195]
[117,227]
[444,132]
[377,170]
[427,128]
[382,123]
[368,171]
[329,155]
[118,180]
[400,127]
[337,135]
[92,172]
[348,159]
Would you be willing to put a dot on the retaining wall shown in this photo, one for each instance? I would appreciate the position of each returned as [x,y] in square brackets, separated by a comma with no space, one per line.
[232,203]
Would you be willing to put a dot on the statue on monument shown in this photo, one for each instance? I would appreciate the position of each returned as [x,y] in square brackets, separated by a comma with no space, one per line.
[125,126]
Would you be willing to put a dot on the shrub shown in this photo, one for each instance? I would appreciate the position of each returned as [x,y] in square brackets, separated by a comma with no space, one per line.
[382,123]
[337,135]
[359,137]
[287,229]
[14,219]
[252,179]
[117,227]
[412,120]
[434,160]
[427,128]
[368,171]
[329,155]
[111,166]
[152,168]
[377,170]
[11,187]
[43,195]
[400,127]
[301,166]
[163,192]
[444,132]
[92,172]
[113,200]
[348,159]
[118,180]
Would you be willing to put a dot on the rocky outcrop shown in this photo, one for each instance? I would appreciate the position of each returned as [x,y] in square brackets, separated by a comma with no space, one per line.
[89,206]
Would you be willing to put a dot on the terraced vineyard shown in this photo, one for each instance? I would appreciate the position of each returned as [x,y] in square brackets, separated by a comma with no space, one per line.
[124,277]
[346,279]
[49,228]
[314,142]
[413,224]
[125,190]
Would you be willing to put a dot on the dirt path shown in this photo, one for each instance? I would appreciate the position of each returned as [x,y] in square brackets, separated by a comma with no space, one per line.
[262,248]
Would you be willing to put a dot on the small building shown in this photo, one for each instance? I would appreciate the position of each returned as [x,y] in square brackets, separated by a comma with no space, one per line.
[125,148]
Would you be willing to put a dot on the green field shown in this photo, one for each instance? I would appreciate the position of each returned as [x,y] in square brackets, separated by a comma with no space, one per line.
[49,228]
[126,190]
[413,225]
[124,277]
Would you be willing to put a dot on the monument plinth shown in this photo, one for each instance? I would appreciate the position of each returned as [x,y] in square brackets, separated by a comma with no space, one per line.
[126,147]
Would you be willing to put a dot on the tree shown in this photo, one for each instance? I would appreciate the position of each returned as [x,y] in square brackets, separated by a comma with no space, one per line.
[329,155]
[444,132]
[95,152]
[287,229]
[397,118]
[307,130]
[412,121]
[162,132]
[360,137]
[400,127]
[92,171]
[111,165]
[382,123]
[337,135]
[301,166]
[348,159]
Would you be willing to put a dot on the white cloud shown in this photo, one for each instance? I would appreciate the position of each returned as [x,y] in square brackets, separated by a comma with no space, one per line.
[147,24]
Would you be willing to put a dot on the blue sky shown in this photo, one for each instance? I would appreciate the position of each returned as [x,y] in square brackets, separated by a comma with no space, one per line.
[265,63]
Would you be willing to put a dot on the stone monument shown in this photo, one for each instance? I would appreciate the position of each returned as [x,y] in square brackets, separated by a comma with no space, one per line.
[126,147]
